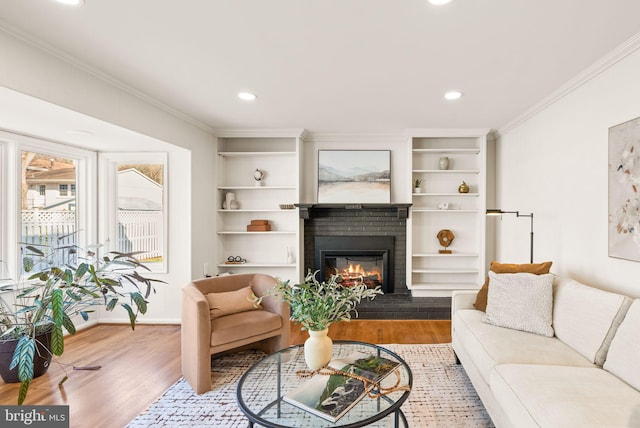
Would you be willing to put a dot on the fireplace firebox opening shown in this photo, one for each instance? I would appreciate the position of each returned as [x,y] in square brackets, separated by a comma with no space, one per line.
[355,259]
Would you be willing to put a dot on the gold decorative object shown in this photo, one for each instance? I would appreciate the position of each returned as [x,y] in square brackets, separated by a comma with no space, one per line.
[445,237]
[463,188]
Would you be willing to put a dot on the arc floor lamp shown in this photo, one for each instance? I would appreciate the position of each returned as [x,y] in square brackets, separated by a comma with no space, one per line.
[497,212]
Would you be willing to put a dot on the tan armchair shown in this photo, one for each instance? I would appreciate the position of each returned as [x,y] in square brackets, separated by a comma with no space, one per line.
[203,336]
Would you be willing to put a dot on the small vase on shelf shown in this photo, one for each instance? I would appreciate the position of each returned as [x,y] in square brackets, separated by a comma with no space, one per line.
[318,349]
[444,163]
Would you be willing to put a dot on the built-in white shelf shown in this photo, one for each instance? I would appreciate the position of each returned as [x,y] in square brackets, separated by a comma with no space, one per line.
[430,273]
[270,232]
[445,255]
[256,188]
[446,194]
[276,210]
[434,210]
[446,171]
[448,150]
[257,265]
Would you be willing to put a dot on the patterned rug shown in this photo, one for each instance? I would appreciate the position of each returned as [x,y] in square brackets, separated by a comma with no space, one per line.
[442,395]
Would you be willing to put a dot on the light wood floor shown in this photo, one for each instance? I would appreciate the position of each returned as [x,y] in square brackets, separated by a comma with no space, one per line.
[138,366]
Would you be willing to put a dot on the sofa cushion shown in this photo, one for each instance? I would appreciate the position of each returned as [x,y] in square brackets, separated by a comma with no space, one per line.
[561,396]
[231,302]
[491,345]
[624,353]
[586,318]
[242,325]
[522,301]
[535,268]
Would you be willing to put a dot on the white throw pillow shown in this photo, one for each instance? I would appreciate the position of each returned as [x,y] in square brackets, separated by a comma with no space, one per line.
[624,352]
[521,301]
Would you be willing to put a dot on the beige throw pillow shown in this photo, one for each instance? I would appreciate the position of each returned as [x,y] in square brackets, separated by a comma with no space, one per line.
[521,301]
[231,302]
[536,268]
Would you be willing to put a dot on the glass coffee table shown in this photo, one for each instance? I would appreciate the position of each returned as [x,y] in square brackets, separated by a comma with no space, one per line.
[261,389]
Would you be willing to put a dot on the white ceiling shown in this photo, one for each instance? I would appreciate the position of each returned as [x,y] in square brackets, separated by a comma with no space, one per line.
[334,65]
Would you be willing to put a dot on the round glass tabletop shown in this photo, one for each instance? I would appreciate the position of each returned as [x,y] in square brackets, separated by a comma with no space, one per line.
[262,392]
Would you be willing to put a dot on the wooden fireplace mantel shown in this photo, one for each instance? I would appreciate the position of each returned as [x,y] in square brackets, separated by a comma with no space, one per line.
[306,210]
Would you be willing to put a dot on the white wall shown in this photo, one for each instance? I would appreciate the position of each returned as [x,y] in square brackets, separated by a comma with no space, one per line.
[555,165]
[31,71]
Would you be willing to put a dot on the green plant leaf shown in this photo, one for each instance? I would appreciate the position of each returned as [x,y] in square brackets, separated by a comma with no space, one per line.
[68,324]
[81,270]
[140,302]
[68,276]
[22,393]
[73,296]
[112,304]
[27,264]
[57,306]
[132,316]
[25,358]
[84,315]
[57,341]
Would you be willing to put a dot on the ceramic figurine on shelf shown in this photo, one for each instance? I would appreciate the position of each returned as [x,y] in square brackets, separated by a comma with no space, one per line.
[258,175]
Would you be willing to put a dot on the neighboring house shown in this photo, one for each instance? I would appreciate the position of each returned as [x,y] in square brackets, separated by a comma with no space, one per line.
[53,189]
[137,192]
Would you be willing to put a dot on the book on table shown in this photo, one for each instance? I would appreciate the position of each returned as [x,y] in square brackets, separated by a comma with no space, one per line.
[330,396]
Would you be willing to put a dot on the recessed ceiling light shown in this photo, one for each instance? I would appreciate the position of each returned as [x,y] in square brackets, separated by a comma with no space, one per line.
[71,2]
[247,96]
[453,95]
[439,2]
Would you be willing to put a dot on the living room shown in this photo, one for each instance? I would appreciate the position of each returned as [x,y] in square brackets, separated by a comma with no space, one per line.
[551,150]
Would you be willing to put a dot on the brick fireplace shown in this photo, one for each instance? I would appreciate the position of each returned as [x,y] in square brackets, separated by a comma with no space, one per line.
[356,222]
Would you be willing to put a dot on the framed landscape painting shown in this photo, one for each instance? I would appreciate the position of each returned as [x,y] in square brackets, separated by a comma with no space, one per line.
[354,176]
[624,190]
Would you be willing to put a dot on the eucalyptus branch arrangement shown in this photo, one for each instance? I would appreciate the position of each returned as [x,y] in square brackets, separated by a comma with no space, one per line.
[315,305]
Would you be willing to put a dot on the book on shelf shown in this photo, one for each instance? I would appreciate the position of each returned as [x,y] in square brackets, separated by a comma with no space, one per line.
[331,396]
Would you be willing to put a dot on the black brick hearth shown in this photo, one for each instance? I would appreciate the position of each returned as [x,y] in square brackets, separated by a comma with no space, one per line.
[405,307]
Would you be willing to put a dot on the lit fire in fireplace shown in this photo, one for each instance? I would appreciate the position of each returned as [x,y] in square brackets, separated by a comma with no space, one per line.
[355,274]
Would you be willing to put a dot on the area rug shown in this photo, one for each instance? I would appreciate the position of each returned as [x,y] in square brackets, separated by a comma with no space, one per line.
[442,395]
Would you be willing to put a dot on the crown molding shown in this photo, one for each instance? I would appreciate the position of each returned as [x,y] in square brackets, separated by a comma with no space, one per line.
[107,78]
[619,53]
[447,132]
[261,133]
[384,137]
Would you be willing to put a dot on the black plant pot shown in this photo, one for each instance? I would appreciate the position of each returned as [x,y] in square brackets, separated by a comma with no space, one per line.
[41,359]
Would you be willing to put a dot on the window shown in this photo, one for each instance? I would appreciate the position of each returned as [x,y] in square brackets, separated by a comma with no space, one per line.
[136,197]
[73,190]
[63,189]
[33,171]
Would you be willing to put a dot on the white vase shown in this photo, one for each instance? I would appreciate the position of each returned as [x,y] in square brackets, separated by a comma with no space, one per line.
[318,349]
[444,163]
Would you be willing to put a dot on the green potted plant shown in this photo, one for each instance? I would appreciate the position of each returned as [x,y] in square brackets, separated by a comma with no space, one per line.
[417,185]
[62,283]
[316,305]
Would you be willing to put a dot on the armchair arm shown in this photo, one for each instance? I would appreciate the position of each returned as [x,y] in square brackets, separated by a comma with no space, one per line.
[196,339]
[462,299]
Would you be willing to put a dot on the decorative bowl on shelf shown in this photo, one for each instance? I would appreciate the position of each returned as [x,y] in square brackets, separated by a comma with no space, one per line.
[286,206]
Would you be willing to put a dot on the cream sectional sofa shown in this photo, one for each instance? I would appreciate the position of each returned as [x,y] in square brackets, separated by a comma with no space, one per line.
[586,375]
